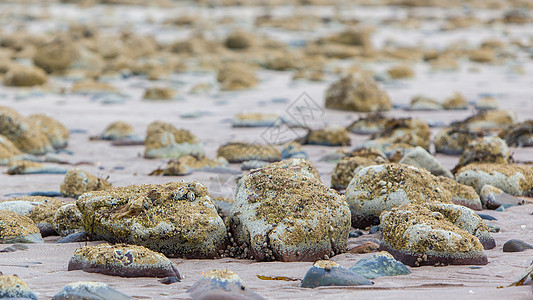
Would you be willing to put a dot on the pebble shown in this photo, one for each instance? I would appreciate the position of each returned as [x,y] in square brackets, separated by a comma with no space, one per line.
[515,245]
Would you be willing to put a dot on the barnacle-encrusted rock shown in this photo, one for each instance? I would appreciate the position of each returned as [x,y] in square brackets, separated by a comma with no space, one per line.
[358,93]
[370,124]
[24,135]
[456,102]
[379,265]
[283,212]
[177,219]
[236,76]
[122,260]
[163,140]
[77,182]
[24,76]
[12,287]
[89,290]
[118,130]
[26,167]
[414,132]
[424,103]
[329,136]
[159,93]
[221,284]
[461,194]
[401,71]
[7,150]
[346,169]
[329,273]
[56,132]
[420,158]
[39,209]
[416,235]
[452,141]
[516,180]
[15,228]
[188,163]
[255,120]
[489,149]
[239,152]
[519,135]
[375,189]
[68,220]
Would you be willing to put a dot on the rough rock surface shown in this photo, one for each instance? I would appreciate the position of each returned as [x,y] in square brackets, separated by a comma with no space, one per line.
[178,219]
[189,163]
[370,124]
[452,141]
[56,132]
[413,132]
[347,168]
[489,149]
[12,287]
[357,93]
[513,179]
[163,140]
[15,228]
[461,194]
[236,76]
[39,209]
[77,182]
[240,152]
[329,136]
[519,135]
[68,220]
[24,135]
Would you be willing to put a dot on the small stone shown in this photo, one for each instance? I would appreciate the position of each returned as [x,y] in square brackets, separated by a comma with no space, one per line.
[25,167]
[187,164]
[12,287]
[77,182]
[515,245]
[401,71]
[452,141]
[346,169]
[163,140]
[74,238]
[88,290]
[328,273]
[370,124]
[221,284]
[253,164]
[379,265]
[487,103]
[40,210]
[117,130]
[493,197]
[373,229]
[367,247]
[159,93]
[487,217]
[456,102]
[414,132]
[519,135]
[14,247]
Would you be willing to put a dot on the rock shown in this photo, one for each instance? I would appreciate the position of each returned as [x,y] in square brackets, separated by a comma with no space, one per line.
[417,236]
[379,265]
[39,209]
[122,260]
[514,245]
[329,273]
[56,132]
[68,220]
[519,135]
[240,152]
[221,284]
[25,167]
[355,37]
[236,76]
[178,219]
[487,103]
[74,238]
[493,197]
[89,290]
[420,158]
[169,280]
[355,234]
[165,141]
[357,93]
[14,248]
[189,163]
[487,217]
[346,169]
[24,135]
[314,221]
[413,132]
[482,55]
[452,141]
[329,136]
[375,189]
[12,287]
[513,179]
[523,279]
[461,194]
[492,120]
[159,93]
[370,124]
[423,103]
[517,16]
[77,182]
[293,150]
[401,71]
[91,86]
[367,247]
[15,228]
[239,40]
[7,150]
[456,102]
[253,164]
[489,149]
[118,130]
[21,76]
[256,120]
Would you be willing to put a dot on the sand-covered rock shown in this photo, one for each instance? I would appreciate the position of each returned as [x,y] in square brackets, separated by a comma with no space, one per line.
[12,287]
[177,219]
[240,152]
[118,130]
[236,76]
[122,260]
[378,188]
[329,136]
[379,265]
[455,102]
[370,124]
[56,132]
[7,150]
[420,158]
[67,220]
[313,223]
[489,149]
[163,140]
[347,168]
[357,93]
[461,194]
[39,209]
[21,76]
[513,179]
[452,141]
[24,134]
[77,182]
[159,93]
[189,163]
[519,135]
[417,236]
[15,228]
[329,273]
[414,132]
[89,290]
[221,284]
[27,167]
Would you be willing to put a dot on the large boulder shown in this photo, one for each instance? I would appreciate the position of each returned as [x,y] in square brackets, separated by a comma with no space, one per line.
[163,140]
[516,180]
[178,219]
[375,189]
[357,93]
[284,212]
[25,135]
